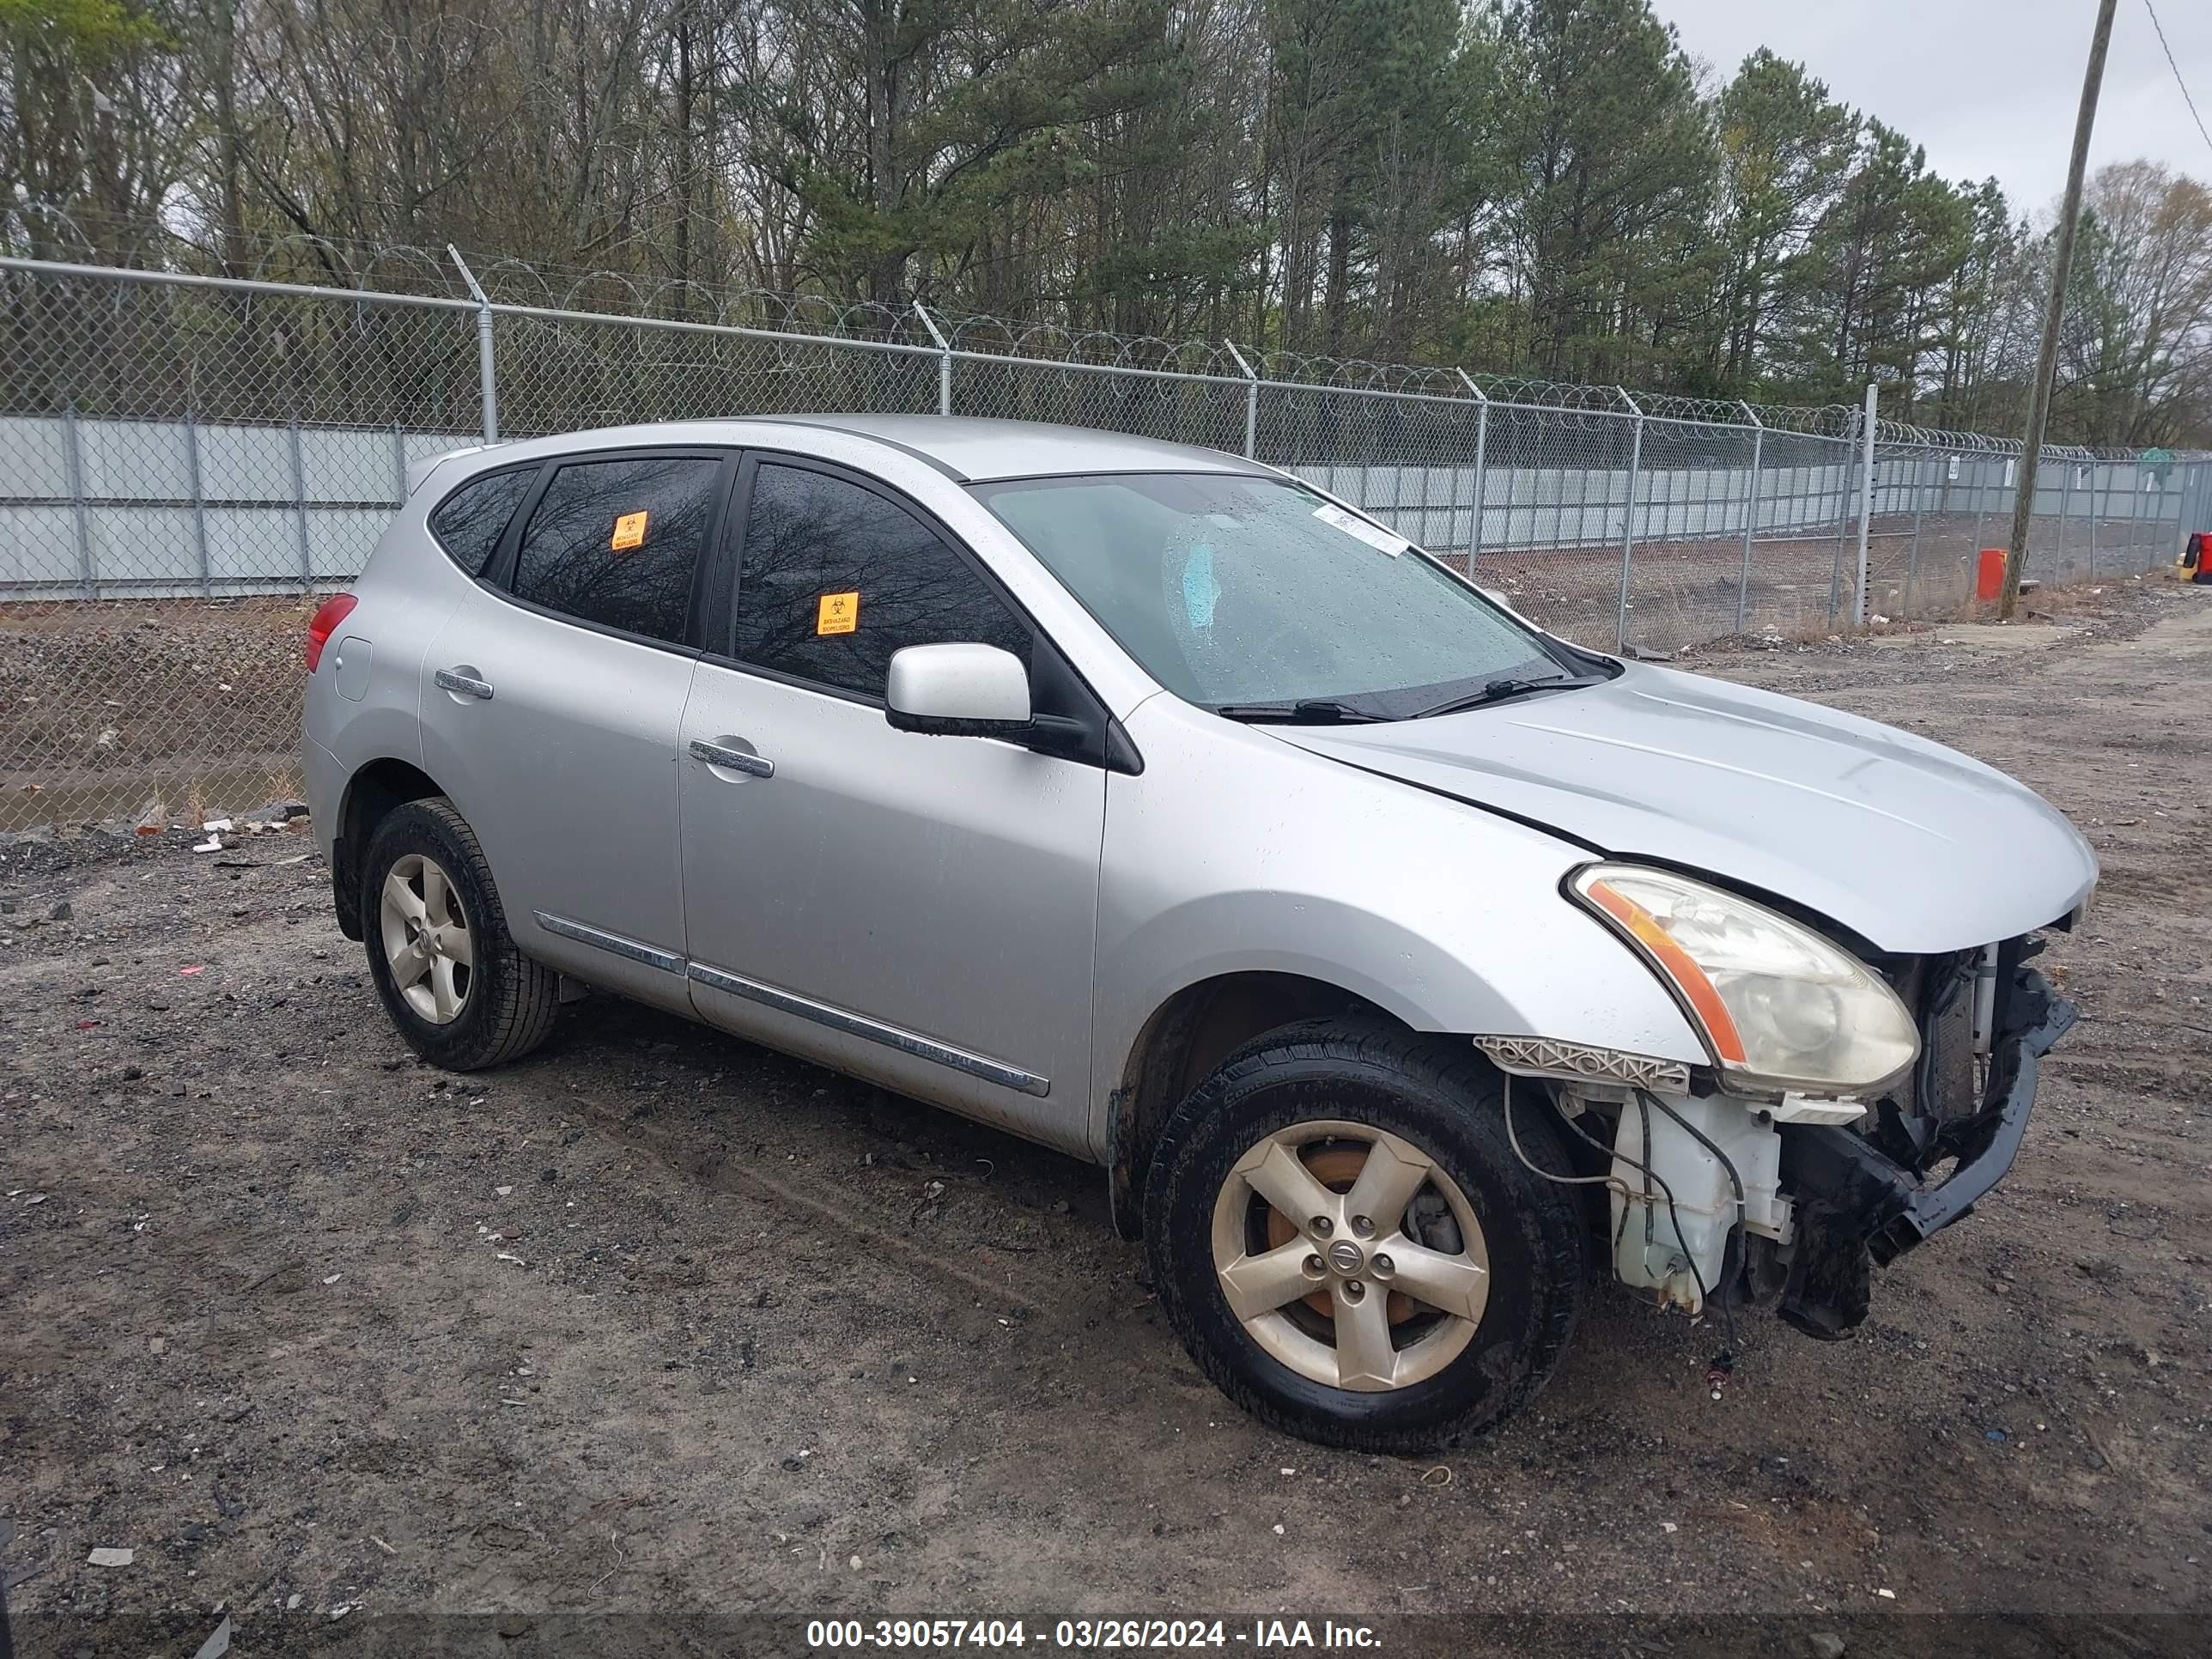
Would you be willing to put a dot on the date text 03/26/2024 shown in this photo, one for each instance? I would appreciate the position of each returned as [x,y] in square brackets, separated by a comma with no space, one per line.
[1260,1636]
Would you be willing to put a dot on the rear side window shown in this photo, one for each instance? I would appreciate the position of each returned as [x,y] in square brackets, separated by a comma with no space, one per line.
[614,543]
[469,523]
[836,578]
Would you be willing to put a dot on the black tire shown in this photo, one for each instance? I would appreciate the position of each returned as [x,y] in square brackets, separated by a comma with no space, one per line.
[1447,1101]
[511,1001]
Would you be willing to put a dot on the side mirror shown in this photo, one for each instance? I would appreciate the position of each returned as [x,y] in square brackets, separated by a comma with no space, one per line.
[958,690]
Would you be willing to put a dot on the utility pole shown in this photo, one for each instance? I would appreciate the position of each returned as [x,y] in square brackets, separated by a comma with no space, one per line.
[2046,361]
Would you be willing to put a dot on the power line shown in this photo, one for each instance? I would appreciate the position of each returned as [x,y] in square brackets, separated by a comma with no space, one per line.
[2160,29]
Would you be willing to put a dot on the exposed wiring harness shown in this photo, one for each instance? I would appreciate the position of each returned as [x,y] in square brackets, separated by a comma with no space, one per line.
[1722,1364]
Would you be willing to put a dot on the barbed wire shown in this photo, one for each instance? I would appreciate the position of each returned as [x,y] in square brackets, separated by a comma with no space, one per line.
[609,296]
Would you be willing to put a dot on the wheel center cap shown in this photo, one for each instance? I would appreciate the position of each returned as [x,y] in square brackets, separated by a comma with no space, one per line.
[1345,1256]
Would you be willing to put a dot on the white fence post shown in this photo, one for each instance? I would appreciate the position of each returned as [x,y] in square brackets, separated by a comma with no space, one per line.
[1919,509]
[1481,467]
[2135,503]
[1251,401]
[199,503]
[487,382]
[2065,509]
[1628,521]
[300,508]
[1843,470]
[2096,513]
[73,456]
[1750,516]
[943,359]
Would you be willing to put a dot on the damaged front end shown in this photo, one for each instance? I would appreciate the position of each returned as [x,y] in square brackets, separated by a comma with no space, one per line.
[1866,1195]
[1790,1201]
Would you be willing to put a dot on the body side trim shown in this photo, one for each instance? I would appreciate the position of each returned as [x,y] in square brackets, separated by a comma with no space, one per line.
[651,956]
[790,1002]
[859,1026]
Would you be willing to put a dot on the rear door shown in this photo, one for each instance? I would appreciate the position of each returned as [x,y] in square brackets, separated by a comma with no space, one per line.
[551,702]
[916,910]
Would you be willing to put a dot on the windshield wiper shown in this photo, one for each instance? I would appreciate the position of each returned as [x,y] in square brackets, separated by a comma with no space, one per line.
[1306,711]
[1504,690]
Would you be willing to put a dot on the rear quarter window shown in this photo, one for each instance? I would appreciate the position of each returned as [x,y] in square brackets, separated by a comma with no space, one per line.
[614,543]
[469,523]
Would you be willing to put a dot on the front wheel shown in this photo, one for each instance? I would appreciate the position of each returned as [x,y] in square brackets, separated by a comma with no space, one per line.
[1343,1237]
[448,971]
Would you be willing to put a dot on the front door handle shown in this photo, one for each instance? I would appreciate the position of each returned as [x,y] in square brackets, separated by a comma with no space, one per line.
[737,760]
[461,684]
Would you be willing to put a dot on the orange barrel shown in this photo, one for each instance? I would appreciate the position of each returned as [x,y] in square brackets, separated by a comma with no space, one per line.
[1989,578]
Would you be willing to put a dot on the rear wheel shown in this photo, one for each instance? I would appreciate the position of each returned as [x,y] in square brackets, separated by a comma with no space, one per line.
[449,973]
[1346,1241]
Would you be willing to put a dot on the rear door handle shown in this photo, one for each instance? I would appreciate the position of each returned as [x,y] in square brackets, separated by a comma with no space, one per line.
[715,754]
[466,686]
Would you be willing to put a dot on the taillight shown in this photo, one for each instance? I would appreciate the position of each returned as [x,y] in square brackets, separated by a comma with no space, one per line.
[332,612]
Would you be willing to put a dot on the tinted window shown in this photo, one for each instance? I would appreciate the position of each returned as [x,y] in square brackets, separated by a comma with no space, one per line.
[614,542]
[470,521]
[836,578]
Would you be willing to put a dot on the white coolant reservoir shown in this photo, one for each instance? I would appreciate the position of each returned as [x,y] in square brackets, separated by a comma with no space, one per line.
[1649,1250]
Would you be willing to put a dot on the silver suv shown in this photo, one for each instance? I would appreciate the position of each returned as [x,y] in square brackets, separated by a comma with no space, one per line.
[1397,959]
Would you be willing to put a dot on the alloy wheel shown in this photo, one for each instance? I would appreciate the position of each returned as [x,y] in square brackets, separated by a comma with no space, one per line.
[427,943]
[1348,1255]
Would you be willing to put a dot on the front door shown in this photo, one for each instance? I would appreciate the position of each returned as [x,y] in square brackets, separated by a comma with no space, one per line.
[551,702]
[915,909]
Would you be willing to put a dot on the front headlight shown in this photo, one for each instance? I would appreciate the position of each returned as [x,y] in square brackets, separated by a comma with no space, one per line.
[1780,1007]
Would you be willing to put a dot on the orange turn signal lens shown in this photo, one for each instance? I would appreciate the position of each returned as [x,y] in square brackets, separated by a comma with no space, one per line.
[1640,925]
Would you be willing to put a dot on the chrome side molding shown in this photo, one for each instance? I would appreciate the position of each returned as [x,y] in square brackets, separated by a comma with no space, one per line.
[667,961]
[790,1002]
[859,1026]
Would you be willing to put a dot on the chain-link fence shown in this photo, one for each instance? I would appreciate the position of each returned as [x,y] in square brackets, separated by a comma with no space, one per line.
[186,461]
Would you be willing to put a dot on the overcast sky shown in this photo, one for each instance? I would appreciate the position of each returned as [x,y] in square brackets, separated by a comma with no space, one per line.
[1990,87]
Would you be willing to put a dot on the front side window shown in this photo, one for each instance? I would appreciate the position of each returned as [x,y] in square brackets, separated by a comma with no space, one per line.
[614,543]
[1236,591]
[469,522]
[834,578]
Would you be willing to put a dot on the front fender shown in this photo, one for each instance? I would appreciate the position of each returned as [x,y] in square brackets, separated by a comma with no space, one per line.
[1234,851]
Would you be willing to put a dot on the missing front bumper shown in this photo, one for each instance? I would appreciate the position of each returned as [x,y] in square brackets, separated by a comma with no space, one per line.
[1858,1208]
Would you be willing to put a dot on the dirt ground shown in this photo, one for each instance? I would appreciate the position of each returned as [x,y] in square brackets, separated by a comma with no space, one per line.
[658,1323]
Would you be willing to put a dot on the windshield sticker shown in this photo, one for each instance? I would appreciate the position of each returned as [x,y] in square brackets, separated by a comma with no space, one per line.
[1199,590]
[630,532]
[837,613]
[1375,536]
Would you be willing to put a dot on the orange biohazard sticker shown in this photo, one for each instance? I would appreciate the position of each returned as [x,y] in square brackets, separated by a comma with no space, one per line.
[630,532]
[837,613]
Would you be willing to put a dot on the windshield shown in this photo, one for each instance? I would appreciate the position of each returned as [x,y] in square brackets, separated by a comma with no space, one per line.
[1238,592]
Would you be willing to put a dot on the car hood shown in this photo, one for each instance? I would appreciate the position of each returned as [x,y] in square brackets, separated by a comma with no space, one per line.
[1915,848]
